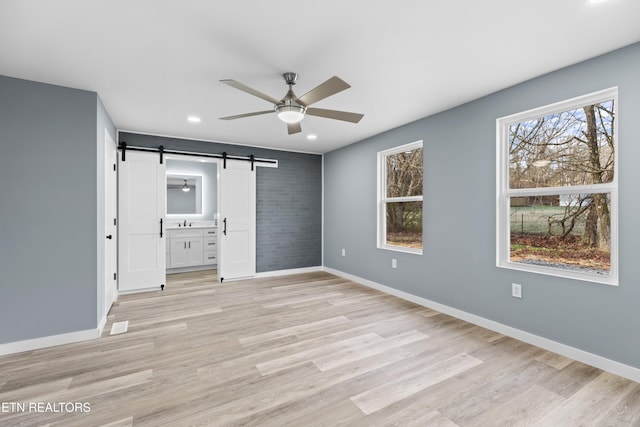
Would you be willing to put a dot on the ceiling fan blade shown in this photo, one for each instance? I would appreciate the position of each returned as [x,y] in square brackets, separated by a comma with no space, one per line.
[324,90]
[250,90]
[240,116]
[335,114]
[294,128]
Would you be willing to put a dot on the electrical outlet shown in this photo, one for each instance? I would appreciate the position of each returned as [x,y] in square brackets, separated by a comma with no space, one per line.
[344,252]
[516,290]
[394,263]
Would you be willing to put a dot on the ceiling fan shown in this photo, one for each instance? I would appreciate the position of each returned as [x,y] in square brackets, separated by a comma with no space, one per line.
[291,109]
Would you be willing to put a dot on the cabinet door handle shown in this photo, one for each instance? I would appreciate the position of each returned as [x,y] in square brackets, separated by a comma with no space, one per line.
[224,221]
[110,237]
[161,228]
[185,245]
[189,245]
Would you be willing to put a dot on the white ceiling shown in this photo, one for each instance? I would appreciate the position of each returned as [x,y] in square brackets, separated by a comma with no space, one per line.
[155,62]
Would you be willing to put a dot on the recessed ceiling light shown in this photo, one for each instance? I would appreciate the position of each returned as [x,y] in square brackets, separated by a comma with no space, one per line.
[193,119]
[312,137]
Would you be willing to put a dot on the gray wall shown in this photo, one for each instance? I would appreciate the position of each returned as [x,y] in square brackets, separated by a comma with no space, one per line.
[288,200]
[48,226]
[458,265]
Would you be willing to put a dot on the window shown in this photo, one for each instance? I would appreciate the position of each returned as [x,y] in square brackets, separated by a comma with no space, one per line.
[400,198]
[558,189]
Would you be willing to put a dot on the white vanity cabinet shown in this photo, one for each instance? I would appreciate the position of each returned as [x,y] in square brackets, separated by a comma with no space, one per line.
[210,246]
[189,247]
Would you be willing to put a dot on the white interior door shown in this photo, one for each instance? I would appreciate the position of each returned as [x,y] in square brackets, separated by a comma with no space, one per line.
[110,215]
[238,221]
[142,236]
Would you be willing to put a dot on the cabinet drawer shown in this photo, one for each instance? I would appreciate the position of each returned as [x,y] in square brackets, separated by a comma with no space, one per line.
[210,257]
[210,232]
[210,243]
[194,232]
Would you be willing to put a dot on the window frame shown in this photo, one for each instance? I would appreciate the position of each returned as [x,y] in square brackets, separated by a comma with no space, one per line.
[382,198]
[504,193]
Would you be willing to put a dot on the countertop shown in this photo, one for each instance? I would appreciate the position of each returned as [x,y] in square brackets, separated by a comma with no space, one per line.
[175,225]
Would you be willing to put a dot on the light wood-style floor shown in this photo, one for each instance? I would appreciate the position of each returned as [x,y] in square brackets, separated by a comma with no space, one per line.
[305,350]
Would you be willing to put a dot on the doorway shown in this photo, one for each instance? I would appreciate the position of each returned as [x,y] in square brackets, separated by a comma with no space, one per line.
[110,215]
[142,183]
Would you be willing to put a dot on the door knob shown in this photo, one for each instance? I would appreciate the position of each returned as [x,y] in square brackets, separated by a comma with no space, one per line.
[109,237]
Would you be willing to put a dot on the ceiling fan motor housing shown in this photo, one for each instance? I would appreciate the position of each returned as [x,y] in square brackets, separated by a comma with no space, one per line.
[290,78]
[289,111]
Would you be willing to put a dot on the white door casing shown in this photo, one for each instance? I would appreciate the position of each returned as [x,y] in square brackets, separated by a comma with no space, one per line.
[142,232]
[237,228]
[110,215]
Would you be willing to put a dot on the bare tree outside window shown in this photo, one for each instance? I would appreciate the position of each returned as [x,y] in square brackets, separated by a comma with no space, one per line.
[564,150]
[401,198]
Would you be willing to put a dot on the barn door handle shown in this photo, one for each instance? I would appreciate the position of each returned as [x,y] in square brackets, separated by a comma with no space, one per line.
[161,228]
[224,221]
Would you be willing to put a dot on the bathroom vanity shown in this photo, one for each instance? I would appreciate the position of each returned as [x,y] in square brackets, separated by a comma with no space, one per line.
[193,246]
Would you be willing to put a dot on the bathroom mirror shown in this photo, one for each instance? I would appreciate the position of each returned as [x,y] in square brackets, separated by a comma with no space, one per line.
[184,194]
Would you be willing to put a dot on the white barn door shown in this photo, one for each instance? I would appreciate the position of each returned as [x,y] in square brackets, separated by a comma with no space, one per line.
[237,229]
[142,235]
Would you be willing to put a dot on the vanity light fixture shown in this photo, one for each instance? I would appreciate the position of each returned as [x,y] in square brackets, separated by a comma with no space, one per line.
[186,187]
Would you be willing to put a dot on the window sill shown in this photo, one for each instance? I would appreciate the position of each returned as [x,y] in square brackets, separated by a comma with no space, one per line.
[401,249]
[610,279]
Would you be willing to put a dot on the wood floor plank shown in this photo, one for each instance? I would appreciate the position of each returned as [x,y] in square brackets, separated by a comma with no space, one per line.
[33,391]
[626,412]
[125,422]
[591,404]
[292,330]
[554,360]
[302,299]
[354,353]
[393,391]
[431,419]
[492,393]
[306,356]
[307,349]
[529,405]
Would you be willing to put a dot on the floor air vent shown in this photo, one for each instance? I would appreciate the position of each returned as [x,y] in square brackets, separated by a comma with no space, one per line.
[119,327]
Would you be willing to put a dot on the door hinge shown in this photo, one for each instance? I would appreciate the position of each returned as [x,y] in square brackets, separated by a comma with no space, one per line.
[114,166]
[115,275]
[115,221]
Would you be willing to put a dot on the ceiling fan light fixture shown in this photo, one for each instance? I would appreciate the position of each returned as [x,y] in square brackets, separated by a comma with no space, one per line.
[290,113]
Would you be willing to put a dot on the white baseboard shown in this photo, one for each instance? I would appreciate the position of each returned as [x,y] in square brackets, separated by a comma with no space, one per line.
[50,341]
[101,324]
[591,359]
[288,272]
